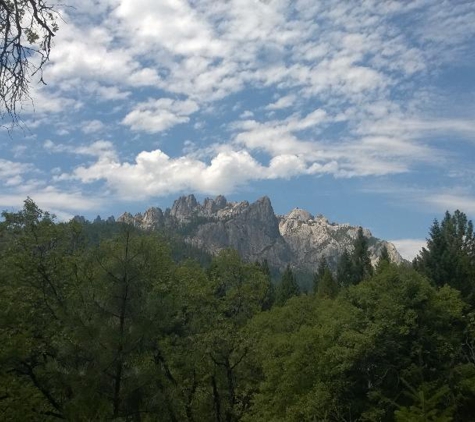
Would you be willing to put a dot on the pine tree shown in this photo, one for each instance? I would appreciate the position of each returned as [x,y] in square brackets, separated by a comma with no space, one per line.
[449,257]
[269,298]
[317,277]
[327,287]
[344,271]
[384,259]
[287,287]
[362,267]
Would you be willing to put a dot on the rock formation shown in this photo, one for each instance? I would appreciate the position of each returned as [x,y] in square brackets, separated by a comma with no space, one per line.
[257,233]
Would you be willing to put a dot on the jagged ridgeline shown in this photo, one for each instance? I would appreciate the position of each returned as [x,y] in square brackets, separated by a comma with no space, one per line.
[257,233]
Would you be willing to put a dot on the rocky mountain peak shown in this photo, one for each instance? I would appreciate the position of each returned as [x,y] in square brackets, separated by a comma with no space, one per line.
[300,215]
[126,218]
[212,206]
[184,208]
[261,209]
[152,218]
[257,233]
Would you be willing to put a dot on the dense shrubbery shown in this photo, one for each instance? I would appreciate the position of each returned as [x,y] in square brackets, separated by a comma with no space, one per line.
[111,327]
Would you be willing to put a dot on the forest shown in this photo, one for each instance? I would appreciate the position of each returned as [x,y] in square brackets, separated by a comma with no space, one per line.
[107,322]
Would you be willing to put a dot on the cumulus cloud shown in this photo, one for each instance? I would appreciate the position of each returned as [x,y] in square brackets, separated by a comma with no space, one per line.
[154,173]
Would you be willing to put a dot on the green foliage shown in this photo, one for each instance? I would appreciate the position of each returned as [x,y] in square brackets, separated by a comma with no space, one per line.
[449,257]
[428,405]
[384,260]
[343,359]
[287,288]
[317,277]
[355,267]
[344,271]
[361,261]
[327,286]
[112,327]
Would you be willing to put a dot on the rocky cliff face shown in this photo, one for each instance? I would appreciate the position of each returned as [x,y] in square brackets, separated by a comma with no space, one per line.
[257,233]
[312,238]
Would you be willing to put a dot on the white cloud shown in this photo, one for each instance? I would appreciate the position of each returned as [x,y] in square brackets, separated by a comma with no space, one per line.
[156,116]
[352,101]
[12,169]
[154,173]
[451,202]
[106,92]
[246,114]
[87,53]
[409,248]
[51,199]
[92,126]
[175,25]
[45,102]
[283,102]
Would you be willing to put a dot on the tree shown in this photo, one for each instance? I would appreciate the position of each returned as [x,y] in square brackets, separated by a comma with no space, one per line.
[427,405]
[287,287]
[27,28]
[239,292]
[269,299]
[344,271]
[362,267]
[317,277]
[327,286]
[344,359]
[384,259]
[449,257]
[82,326]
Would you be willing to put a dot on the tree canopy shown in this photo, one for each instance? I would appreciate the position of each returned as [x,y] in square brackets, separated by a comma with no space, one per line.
[449,257]
[114,325]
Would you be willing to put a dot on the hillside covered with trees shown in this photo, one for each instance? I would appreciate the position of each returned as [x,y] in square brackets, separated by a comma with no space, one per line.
[109,322]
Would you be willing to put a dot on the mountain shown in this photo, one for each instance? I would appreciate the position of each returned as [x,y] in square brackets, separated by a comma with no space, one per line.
[257,233]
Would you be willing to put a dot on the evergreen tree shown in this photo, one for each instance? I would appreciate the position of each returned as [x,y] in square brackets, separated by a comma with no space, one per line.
[384,259]
[449,257]
[269,298]
[361,261]
[344,271]
[327,286]
[317,276]
[287,287]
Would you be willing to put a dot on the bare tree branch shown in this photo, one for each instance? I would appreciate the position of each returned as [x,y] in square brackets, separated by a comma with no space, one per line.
[27,28]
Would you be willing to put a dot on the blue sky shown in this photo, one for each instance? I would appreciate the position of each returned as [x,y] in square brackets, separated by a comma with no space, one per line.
[363,111]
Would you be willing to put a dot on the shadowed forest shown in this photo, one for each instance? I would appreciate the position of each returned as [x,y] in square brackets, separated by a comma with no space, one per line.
[107,322]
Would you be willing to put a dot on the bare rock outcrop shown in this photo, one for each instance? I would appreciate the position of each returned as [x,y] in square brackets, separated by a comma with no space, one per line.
[257,233]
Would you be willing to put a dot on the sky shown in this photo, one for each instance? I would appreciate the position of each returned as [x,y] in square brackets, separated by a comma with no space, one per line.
[363,110]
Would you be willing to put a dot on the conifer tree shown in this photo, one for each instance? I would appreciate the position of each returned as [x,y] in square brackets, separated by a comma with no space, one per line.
[362,267]
[344,271]
[317,277]
[269,299]
[287,287]
[327,286]
[384,259]
[449,257]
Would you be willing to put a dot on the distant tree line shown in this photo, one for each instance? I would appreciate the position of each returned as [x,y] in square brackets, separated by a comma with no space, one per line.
[107,322]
